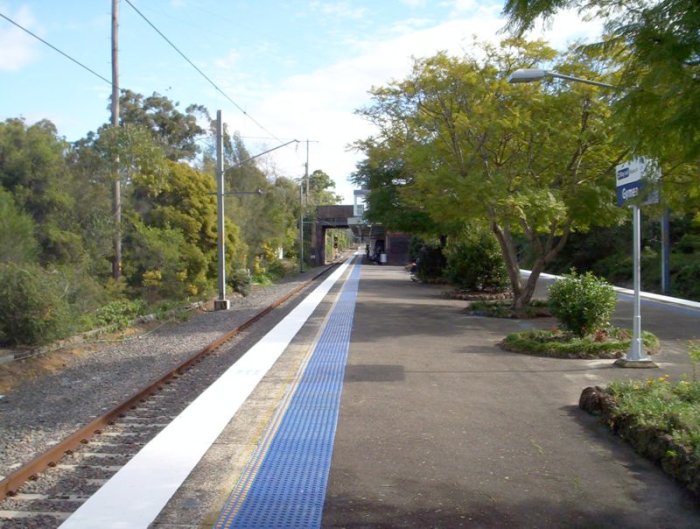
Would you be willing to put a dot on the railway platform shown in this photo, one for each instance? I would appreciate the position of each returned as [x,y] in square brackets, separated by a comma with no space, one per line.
[389,407]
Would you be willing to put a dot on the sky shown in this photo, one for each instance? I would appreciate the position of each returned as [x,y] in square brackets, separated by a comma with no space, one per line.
[293,69]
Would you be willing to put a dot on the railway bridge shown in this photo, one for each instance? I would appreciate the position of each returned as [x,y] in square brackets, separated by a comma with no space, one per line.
[394,245]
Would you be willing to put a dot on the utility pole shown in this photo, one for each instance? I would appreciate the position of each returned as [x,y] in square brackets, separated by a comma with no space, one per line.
[116,190]
[301,204]
[221,303]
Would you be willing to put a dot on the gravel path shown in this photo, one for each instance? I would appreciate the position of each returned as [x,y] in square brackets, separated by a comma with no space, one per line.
[43,411]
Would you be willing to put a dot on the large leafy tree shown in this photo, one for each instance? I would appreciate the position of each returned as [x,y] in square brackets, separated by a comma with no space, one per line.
[177,132]
[657,45]
[33,169]
[17,242]
[527,162]
[385,176]
[172,240]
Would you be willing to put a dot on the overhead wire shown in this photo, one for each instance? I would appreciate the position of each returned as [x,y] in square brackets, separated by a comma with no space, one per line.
[205,76]
[37,37]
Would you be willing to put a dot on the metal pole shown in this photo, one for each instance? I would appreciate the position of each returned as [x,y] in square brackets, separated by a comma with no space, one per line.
[221,303]
[301,227]
[637,350]
[636,357]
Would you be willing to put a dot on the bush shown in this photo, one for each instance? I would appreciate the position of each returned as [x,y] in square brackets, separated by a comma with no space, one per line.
[117,314]
[582,303]
[476,263]
[33,310]
[430,263]
[240,281]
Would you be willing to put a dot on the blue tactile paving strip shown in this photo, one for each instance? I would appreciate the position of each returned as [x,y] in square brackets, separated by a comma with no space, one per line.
[288,487]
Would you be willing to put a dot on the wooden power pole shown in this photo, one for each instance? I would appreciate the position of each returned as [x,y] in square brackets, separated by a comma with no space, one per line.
[116,190]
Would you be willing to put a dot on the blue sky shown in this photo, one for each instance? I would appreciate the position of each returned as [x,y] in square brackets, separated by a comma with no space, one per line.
[299,68]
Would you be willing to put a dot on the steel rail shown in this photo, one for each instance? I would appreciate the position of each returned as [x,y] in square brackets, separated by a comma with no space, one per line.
[10,485]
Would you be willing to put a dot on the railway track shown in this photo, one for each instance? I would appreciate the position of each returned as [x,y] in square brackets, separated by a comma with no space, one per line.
[45,491]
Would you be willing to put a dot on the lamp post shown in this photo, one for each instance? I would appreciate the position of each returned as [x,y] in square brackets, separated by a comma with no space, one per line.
[635,357]
[531,75]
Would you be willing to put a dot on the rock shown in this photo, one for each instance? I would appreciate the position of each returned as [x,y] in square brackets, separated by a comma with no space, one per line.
[591,400]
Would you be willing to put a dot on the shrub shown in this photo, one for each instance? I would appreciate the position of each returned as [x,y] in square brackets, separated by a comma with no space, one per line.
[117,314]
[240,281]
[476,263]
[582,303]
[33,309]
[430,263]
[276,269]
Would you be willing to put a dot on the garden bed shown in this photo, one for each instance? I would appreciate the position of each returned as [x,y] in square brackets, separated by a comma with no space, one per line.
[610,343]
[504,309]
[658,418]
[478,295]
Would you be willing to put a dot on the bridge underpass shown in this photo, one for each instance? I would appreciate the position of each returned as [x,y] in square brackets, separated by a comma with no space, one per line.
[395,245]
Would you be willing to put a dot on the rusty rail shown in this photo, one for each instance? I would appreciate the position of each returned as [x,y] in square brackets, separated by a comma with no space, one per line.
[9,485]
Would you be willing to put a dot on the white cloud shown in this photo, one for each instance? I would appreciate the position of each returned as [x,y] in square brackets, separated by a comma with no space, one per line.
[339,9]
[320,105]
[18,48]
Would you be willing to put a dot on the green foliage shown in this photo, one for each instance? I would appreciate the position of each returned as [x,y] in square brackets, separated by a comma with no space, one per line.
[278,269]
[33,169]
[458,144]
[175,131]
[17,241]
[694,354]
[504,309]
[33,309]
[670,408]
[657,47]
[171,247]
[241,281]
[610,343]
[117,314]
[430,264]
[475,262]
[583,304]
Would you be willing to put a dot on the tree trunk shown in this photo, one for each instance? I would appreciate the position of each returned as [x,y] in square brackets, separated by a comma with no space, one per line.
[510,257]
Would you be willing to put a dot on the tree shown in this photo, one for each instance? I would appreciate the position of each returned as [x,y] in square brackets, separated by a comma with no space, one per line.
[173,239]
[657,45]
[17,242]
[34,171]
[528,162]
[175,131]
[321,187]
[385,176]
[127,152]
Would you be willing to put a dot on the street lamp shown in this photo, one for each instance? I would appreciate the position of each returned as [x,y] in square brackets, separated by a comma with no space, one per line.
[222,303]
[636,357]
[531,75]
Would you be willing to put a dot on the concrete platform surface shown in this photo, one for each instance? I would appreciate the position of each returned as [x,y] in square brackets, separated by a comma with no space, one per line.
[439,428]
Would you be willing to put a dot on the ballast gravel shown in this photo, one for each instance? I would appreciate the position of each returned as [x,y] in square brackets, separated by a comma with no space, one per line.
[41,412]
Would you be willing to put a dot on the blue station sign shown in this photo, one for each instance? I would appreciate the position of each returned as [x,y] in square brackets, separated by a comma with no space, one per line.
[632,177]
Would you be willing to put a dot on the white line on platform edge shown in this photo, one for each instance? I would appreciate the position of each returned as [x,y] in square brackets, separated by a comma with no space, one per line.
[136,494]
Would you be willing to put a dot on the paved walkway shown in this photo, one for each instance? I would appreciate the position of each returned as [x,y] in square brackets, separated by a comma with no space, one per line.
[439,428]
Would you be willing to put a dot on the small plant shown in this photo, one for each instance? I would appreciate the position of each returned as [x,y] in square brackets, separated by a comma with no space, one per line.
[241,281]
[583,304]
[117,314]
[694,354]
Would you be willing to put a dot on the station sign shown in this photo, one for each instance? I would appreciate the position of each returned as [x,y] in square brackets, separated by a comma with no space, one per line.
[635,179]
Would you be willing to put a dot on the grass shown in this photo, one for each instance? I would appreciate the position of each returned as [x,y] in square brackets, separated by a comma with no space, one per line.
[671,408]
[661,420]
[611,343]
